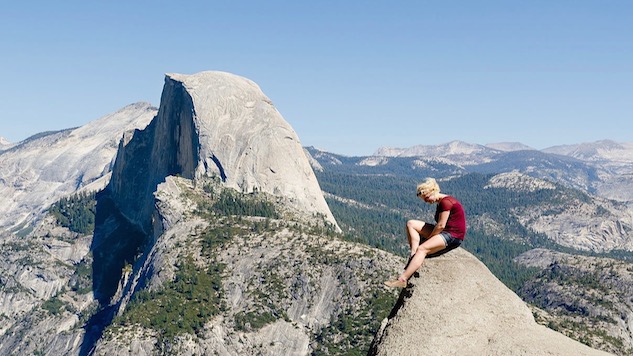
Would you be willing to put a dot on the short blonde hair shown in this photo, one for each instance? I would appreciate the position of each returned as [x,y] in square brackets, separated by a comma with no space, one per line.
[429,186]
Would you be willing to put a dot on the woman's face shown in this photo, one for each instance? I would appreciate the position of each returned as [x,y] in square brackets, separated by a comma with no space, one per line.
[427,197]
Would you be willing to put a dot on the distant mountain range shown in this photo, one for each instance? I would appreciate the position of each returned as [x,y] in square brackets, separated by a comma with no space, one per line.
[603,150]
[603,167]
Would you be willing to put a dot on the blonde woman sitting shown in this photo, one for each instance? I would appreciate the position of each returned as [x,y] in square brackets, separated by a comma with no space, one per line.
[429,240]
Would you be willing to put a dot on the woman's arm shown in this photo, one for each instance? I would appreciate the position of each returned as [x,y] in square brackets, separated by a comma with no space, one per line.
[441,223]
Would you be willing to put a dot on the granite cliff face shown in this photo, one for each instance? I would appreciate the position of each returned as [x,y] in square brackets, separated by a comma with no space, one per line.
[40,170]
[584,222]
[215,124]
[457,307]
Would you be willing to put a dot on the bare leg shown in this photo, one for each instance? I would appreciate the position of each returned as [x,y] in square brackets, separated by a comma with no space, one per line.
[415,230]
[433,244]
[413,234]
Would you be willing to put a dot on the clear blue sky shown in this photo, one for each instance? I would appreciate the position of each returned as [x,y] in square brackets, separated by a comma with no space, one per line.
[349,76]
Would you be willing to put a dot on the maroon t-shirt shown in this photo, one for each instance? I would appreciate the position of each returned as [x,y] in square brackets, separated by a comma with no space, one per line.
[456,224]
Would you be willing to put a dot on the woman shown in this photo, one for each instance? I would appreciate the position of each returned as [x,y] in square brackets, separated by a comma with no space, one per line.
[446,234]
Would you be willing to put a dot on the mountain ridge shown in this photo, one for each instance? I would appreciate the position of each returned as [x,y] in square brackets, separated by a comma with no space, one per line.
[65,161]
[509,146]
[454,146]
[603,167]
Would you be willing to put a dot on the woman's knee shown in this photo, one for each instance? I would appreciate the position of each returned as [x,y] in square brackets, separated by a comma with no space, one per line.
[415,224]
[423,249]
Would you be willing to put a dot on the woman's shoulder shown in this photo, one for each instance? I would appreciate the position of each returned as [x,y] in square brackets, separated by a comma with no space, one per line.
[450,199]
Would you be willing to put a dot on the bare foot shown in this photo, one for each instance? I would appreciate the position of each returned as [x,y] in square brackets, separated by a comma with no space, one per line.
[398,283]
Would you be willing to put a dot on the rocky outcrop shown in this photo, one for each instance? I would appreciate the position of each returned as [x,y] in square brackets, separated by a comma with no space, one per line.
[589,298]
[41,296]
[457,307]
[40,170]
[583,221]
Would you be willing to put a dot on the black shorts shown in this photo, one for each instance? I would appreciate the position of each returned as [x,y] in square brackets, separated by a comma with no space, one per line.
[450,243]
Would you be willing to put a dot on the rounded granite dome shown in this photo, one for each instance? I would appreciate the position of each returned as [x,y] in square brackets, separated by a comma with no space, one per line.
[240,136]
